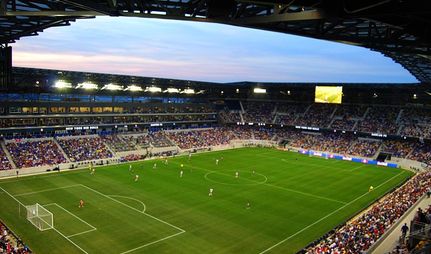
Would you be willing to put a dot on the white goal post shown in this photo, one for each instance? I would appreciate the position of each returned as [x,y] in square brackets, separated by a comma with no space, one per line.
[40,217]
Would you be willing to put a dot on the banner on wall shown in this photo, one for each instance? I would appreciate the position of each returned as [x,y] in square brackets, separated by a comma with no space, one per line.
[346,158]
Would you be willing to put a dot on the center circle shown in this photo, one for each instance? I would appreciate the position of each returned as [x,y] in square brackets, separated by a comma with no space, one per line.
[227,177]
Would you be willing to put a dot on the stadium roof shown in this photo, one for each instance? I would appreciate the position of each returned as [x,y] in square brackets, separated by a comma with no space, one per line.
[398,29]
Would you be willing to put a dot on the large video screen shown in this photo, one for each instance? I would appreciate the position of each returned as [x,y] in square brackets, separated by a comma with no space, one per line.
[328,94]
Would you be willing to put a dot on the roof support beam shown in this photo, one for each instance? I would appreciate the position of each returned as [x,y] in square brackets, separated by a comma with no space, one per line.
[282,17]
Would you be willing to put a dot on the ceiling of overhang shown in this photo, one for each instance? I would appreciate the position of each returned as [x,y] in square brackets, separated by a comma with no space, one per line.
[400,29]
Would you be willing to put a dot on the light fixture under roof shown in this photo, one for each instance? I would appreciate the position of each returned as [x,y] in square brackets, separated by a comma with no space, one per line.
[171,90]
[259,90]
[112,87]
[189,91]
[134,88]
[87,86]
[153,89]
[60,84]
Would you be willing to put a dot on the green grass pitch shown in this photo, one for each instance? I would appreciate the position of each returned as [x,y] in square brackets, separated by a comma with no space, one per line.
[294,199]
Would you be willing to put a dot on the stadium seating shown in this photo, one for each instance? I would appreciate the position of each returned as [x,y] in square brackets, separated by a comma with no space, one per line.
[27,154]
[85,148]
[358,236]
[4,161]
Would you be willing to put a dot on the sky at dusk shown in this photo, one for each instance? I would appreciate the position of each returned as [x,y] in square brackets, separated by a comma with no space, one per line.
[201,51]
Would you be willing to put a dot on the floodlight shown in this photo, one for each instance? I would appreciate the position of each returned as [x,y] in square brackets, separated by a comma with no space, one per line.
[259,90]
[153,89]
[189,91]
[62,84]
[172,90]
[112,87]
[134,88]
[87,86]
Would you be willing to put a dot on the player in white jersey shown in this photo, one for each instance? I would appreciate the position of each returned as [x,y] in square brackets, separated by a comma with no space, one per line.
[216,161]
[130,167]
[236,174]
[155,166]
[190,156]
[136,178]
[181,174]
[211,192]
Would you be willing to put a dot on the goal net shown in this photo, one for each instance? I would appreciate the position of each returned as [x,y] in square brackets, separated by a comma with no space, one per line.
[40,217]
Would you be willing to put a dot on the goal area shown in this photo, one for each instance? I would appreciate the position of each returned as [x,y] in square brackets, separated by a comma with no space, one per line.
[40,217]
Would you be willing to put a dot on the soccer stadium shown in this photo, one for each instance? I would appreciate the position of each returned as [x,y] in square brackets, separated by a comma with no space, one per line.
[105,149]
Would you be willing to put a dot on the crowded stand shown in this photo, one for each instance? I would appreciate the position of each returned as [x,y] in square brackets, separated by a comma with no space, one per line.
[85,148]
[229,117]
[287,113]
[118,144]
[421,152]
[317,115]
[324,142]
[26,154]
[10,244]
[364,148]
[159,139]
[142,141]
[351,111]
[4,161]
[258,112]
[343,124]
[380,120]
[201,138]
[400,149]
[360,234]
[416,130]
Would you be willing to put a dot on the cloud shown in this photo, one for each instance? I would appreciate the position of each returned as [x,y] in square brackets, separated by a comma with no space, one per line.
[201,51]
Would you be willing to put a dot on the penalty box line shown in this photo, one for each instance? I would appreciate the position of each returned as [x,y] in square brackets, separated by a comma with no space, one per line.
[65,237]
[93,228]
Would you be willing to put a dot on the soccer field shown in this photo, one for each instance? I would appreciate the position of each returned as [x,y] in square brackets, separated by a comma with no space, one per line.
[294,199]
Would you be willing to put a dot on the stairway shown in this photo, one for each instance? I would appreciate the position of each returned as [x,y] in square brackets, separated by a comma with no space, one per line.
[61,150]
[9,157]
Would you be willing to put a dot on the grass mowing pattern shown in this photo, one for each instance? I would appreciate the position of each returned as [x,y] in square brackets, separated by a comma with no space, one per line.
[294,200]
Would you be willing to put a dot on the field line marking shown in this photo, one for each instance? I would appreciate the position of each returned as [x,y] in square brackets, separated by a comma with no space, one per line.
[59,206]
[46,190]
[126,205]
[274,186]
[80,233]
[72,242]
[328,215]
[145,245]
[137,200]
[68,239]
[304,193]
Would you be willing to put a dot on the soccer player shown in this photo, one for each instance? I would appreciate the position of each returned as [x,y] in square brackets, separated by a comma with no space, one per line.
[216,161]
[211,192]
[130,168]
[181,174]
[93,170]
[155,166]
[190,156]
[136,178]
[247,206]
[81,203]
[254,172]
[166,161]
[371,188]
[236,174]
